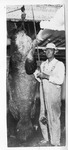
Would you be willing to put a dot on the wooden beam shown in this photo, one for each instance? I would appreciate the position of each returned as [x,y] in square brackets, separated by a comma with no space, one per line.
[43,48]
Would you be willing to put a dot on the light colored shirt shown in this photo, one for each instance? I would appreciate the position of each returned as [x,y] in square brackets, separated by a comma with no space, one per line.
[55,69]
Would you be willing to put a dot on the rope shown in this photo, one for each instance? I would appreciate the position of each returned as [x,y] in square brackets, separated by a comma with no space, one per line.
[13,10]
[36,36]
[39,61]
[21,8]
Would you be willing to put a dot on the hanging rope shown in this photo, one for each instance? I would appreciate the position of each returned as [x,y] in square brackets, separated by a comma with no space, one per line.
[36,36]
[40,68]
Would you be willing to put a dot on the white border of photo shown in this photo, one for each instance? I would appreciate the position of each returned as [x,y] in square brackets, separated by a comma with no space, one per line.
[3,107]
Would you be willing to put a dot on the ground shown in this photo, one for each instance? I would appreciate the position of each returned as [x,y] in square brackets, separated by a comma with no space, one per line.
[12,141]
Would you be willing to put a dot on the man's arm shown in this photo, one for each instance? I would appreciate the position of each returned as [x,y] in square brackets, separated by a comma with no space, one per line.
[58,76]
[43,76]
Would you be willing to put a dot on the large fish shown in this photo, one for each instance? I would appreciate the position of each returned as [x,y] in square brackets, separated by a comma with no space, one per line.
[22,83]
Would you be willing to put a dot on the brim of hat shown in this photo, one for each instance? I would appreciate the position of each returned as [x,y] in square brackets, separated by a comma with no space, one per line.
[50,48]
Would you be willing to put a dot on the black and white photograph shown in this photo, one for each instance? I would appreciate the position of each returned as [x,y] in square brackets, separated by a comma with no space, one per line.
[36,68]
[36,71]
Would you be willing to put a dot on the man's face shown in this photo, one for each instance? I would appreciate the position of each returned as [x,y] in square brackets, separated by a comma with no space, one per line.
[50,53]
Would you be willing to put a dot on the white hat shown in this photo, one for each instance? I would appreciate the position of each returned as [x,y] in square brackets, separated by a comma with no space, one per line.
[50,45]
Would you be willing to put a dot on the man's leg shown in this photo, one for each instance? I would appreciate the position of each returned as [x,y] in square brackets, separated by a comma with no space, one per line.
[54,123]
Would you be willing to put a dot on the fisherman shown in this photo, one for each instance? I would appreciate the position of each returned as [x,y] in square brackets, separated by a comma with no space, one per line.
[51,75]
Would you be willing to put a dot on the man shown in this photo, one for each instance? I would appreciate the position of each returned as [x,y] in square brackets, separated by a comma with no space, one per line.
[52,76]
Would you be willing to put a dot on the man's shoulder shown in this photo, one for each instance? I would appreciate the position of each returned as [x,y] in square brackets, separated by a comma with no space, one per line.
[60,62]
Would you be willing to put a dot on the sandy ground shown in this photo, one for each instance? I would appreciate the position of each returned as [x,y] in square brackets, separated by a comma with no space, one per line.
[12,141]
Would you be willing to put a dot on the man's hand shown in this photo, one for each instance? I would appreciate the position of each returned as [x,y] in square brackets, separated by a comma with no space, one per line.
[43,76]
[40,75]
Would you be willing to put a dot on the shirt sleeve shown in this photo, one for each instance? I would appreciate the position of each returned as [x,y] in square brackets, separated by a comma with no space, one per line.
[57,77]
[35,74]
[42,64]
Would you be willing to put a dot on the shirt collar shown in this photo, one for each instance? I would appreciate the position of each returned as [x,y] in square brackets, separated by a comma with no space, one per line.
[52,62]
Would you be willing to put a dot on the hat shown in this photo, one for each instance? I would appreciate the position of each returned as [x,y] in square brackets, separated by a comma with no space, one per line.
[50,45]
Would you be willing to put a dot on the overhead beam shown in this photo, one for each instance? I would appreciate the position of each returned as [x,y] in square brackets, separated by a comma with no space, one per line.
[43,48]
